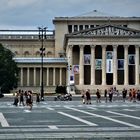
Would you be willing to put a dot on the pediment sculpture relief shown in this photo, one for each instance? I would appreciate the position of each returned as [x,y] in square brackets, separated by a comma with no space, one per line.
[109,31]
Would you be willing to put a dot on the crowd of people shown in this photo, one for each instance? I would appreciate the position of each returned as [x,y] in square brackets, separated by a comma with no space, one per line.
[25,98]
[132,94]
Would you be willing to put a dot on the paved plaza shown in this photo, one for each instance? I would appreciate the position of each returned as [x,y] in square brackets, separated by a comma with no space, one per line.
[70,120]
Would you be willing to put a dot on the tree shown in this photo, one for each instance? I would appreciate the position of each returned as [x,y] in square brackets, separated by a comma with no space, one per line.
[8,70]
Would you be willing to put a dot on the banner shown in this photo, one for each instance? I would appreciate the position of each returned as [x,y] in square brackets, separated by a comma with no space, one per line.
[109,66]
[87,59]
[120,64]
[75,69]
[71,79]
[98,64]
[131,59]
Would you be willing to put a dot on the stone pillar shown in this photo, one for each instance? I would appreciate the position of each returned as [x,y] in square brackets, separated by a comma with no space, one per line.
[47,76]
[115,75]
[126,65]
[28,77]
[137,65]
[81,65]
[21,76]
[53,76]
[92,65]
[103,64]
[70,57]
[34,76]
[60,81]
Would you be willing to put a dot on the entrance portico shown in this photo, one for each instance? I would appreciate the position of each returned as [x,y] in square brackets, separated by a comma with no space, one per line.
[104,56]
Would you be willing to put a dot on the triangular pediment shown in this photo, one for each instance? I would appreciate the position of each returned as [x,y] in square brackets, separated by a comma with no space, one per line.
[107,30]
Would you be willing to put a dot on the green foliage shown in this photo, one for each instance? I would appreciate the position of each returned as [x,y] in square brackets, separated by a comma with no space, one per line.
[8,70]
[61,89]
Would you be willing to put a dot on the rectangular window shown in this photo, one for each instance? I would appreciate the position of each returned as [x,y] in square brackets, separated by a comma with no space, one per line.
[75,28]
[70,28]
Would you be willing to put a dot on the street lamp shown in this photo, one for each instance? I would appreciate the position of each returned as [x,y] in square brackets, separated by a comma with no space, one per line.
[42,37]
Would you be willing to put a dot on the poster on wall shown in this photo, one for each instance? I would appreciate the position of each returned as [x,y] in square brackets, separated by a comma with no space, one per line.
[75,69]
[71,79]
[87,59]
[131,59]
[120,64]
[98,64]
[109,55]
[109,66]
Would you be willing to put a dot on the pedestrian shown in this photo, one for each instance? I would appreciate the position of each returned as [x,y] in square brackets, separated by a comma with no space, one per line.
[134,95]
[138,95]
[98,96]
[83,96]
[37,98]
[105,95]
[124,93]
[21,99]
[110,95]
[30,100]
[88,97]
[16,100]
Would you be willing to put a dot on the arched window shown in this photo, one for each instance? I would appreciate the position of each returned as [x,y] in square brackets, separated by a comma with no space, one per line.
[37,54]
[26,53]
[49,54]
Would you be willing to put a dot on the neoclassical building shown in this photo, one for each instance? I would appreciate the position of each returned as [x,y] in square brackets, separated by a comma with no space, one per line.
[93,50]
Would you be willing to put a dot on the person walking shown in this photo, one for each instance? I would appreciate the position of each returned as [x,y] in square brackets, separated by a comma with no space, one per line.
[30,100]
[124,93]
[105,95]
[21,99]
[98,96]
[88,97]
[83,96]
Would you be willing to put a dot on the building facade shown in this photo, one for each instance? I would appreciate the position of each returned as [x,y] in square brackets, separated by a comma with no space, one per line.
[93,50]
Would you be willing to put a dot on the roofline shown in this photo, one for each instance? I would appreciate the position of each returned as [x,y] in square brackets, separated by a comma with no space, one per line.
[59,19]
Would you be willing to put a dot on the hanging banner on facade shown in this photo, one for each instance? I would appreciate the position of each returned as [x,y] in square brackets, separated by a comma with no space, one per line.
[109,55]
[109,62]
[131,59]
[120,64]
[72,79]
[87,59]
[75,69]
[109,66]
[98,64]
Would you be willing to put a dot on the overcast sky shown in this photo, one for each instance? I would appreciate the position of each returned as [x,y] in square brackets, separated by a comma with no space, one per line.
[30,14]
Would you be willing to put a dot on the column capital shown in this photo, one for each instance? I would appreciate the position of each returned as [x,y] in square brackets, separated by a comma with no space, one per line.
[137,46]
[104,46]
[81,46]
[126,46]
[115,46]
[92,46]
[70,46]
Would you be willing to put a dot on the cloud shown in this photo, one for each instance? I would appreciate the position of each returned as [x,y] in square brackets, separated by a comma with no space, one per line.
[41,12]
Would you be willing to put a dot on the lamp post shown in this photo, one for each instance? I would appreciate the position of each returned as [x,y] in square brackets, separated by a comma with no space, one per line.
[42,37]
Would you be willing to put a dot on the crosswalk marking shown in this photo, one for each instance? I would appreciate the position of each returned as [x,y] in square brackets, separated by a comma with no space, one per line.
[49,108]
[3,121]
[129,110]
[78,119]
[104,117]
[125,115]
[52,127]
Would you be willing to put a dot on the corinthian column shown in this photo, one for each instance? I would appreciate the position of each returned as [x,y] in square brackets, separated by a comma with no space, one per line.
[126,65]
[81,65]
[104,65]
[137,66]
[92,65]
[115,65]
